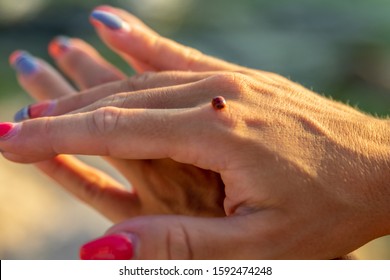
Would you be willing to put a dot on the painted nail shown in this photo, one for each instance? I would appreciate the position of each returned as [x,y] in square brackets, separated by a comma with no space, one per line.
[6,130]
[59,46]
[24,63]
[110,247]
[110,20]
[37,110]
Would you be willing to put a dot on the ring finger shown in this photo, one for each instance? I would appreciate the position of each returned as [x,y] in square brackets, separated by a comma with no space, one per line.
[145,90]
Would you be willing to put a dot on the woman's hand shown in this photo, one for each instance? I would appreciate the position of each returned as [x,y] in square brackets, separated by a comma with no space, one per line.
[300,171]
[293,222]
[158,183]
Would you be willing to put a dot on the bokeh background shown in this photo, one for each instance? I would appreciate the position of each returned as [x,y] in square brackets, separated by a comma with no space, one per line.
[337,48]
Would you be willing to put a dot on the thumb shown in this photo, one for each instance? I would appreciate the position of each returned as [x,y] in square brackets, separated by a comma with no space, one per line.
[175,237]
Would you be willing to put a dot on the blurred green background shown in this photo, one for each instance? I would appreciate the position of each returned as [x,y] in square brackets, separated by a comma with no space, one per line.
[338,48]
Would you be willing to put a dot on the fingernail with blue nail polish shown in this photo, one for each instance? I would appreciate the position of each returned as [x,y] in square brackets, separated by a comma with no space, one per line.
[22,114]
[59,46]
[109,20]
[24,63]
[35,111]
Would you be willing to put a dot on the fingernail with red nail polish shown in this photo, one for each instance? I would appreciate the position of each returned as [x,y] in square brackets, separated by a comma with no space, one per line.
[109,20]
[59,46]
[6,130]
[110,247]
[37,110]
[24,63]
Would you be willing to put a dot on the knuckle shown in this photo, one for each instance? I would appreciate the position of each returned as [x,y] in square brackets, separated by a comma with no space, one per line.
[276,77]
[156,42]
[191,56]
[232,83]
[246,72]
[128,85]
[144,77]
[179,245]
[48,130]
[115,100]
[138,81]
[104,120]
[233,121]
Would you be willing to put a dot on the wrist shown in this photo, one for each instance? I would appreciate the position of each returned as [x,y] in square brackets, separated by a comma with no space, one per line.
[364,168]
[378,175]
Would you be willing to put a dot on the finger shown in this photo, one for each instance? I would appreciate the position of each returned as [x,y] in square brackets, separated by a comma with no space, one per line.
[107,94]
[87,68]
[82,63]
[174,97]
[177,237]
[121,133]
[250,236]
[38,78]
[92,186]
[126,35]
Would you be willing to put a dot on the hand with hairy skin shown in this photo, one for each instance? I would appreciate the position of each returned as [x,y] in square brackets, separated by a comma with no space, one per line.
[284,167]
[157,183]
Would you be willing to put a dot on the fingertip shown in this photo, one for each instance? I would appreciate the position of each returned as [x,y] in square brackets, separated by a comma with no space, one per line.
[14,56]
[40,109]
[95,23]
[104,8]
[109,20]
[22,114]
[59,46]
[119,246]
[82,63]
[8,130]
[23,62]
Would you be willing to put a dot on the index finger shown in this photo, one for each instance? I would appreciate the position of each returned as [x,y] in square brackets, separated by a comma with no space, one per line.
[120,133]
